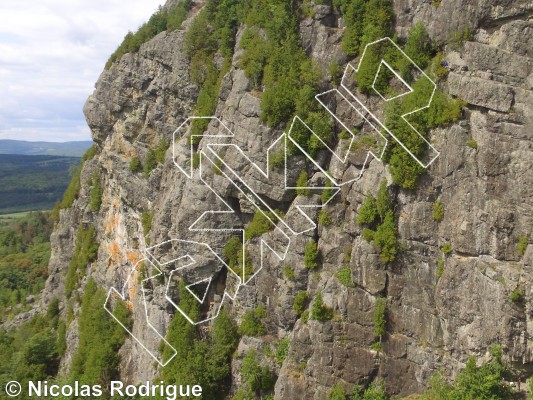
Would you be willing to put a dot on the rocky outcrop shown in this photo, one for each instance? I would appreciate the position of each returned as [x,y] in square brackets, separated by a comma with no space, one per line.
[433,322]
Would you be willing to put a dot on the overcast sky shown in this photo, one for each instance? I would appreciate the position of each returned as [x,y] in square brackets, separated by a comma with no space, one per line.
[51,54]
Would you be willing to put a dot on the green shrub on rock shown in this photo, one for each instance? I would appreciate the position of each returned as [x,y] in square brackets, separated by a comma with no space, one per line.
[319,311]
[300,303]
[311,255]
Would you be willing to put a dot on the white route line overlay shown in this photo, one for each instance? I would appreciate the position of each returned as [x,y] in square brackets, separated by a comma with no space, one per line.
[254,197]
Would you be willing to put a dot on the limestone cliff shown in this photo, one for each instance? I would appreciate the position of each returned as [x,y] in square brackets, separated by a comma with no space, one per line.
[432,322]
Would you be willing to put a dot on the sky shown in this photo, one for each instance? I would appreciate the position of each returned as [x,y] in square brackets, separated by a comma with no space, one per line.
[51,54]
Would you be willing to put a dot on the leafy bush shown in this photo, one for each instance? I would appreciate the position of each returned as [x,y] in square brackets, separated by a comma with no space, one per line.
[344,276]
[440,267]
[207,98]
[377,346]
[234,253]
[347,254]
[282,350]
[305,316]
[446,248]
[383,201]
[327,193]
[380,317]
[196,160]
[277,159]
[135,164]
[521,247]
[484,382]
[379,18]
[260,224]
[150,162]
[438,211]
[378,216]
[95,200]
[418,45]
[375,391]
[319,311]
[355,21]
[300,303]
[311,255]
[335,72]
[301,184]
[85,252]
[516,295]
[255,377]
[256,55]
[251,324]
[472,144]
[146,221]
[232,250]
[337,393]
[368,211]
[323,218]
[288,272]
[217,167]
[161,150]
[404,170]
[438,66]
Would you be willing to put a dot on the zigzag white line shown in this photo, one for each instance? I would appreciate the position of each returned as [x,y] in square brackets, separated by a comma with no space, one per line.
[254,198]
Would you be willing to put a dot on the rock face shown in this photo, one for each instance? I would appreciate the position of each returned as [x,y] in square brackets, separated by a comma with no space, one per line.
[432,322]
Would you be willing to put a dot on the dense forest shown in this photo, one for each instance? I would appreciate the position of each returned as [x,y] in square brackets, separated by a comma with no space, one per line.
[30,183]
[24,255]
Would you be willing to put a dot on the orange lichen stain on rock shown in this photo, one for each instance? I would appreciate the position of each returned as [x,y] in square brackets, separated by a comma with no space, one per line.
[112,223]
[132,290]
[114,251]
[134,257]
[404,216]
[150,134]
[137,275]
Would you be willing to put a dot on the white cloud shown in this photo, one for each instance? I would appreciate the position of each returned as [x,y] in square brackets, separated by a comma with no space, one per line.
[51,54]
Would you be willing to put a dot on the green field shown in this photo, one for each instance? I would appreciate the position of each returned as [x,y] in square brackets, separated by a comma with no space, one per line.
[29,183]
[14,215]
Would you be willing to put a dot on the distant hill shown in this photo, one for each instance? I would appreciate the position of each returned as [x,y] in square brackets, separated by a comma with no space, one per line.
[33,182]
[68,149]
